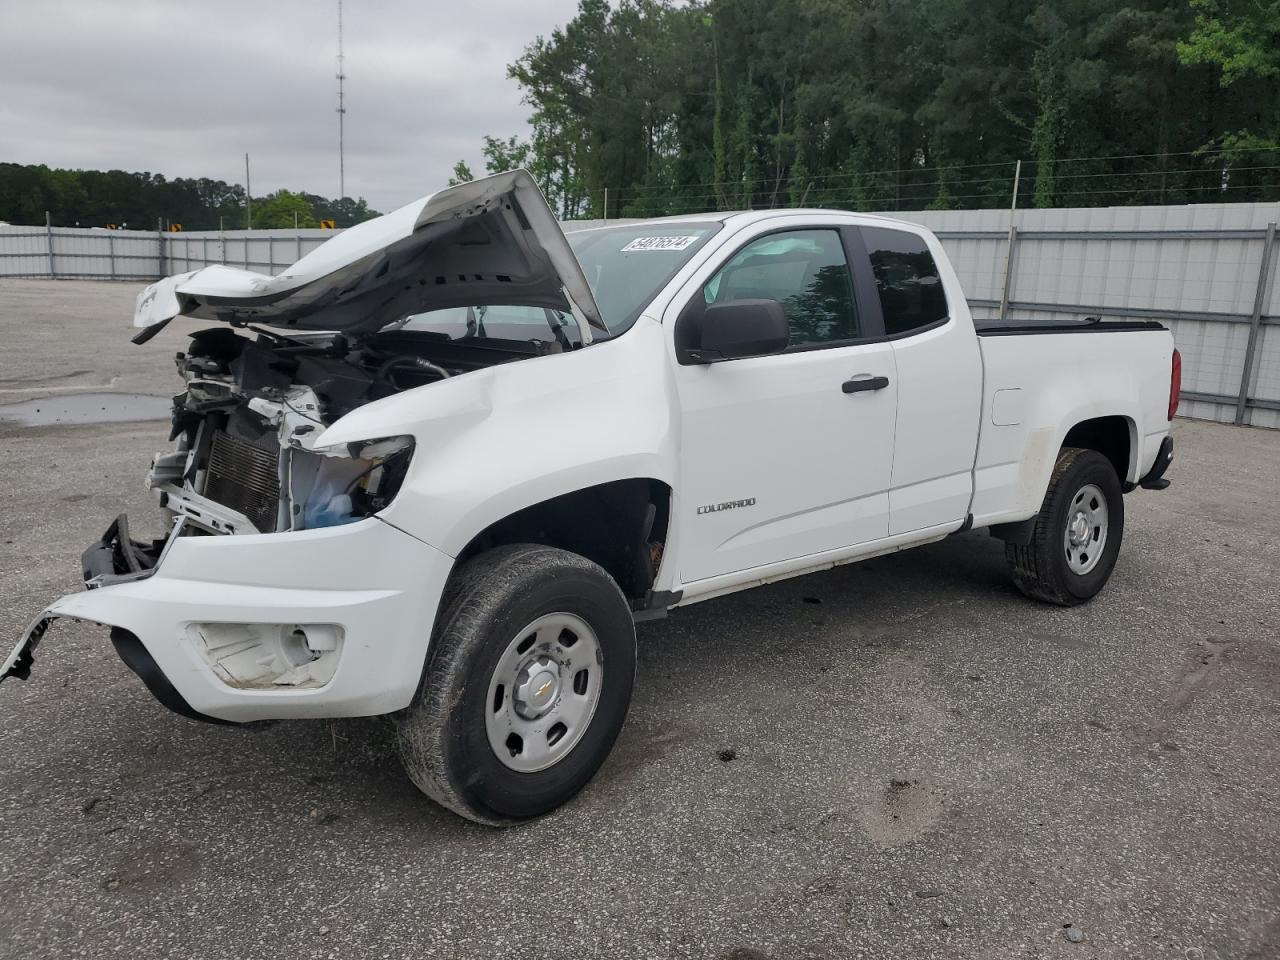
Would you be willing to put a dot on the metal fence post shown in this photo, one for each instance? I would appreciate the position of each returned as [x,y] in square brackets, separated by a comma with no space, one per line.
[298,248]
[111,252]
[1013,243]
[48,235]
[1008,271]
[1255,321]
[160,248]
[271,256]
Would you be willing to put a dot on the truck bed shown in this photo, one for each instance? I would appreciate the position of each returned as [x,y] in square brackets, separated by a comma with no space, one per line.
[1038,382]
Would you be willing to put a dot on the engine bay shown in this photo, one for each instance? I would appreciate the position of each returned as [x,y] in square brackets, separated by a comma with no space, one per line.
[244,430]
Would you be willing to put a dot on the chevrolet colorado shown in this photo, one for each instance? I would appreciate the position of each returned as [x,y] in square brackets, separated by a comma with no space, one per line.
[442,465]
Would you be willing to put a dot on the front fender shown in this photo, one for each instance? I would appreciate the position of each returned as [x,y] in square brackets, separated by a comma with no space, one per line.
[494,442]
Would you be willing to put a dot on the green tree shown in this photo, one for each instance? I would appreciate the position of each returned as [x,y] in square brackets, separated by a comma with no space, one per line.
[461,174]
[143,200]
[503,155]
[1241,37]
[1240,41]
[884,104]
[345,212]
[283,209]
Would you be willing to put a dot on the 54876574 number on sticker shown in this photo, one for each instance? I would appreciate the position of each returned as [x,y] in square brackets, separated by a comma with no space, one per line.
[659,243]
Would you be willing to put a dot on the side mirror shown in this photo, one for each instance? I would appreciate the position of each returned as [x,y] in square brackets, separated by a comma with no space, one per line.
[733,330]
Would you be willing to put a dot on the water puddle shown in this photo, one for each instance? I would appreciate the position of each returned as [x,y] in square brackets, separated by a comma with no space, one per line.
[87,408]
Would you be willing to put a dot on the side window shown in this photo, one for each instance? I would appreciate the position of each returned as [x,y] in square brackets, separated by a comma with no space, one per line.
[805,271]
[911,293]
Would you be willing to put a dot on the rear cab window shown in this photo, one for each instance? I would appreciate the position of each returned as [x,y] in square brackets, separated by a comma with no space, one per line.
[907,281]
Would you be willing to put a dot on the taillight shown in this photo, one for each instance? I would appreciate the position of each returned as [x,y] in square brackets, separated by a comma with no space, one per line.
[1175,384]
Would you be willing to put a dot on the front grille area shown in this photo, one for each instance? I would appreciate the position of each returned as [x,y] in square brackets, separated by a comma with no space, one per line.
[244,477]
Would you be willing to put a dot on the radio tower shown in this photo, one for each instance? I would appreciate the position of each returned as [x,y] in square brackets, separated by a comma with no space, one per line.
[342,113]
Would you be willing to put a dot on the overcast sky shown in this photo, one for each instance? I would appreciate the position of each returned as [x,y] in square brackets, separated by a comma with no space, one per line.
[186,88]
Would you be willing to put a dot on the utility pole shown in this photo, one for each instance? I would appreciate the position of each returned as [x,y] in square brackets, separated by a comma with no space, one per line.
[248,197]
[342,113]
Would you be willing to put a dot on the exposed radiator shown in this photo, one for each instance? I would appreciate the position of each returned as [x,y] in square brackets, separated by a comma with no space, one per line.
[244,477]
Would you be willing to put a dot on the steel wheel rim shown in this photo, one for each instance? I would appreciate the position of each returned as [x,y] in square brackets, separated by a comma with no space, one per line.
[1085,536]
[544,692]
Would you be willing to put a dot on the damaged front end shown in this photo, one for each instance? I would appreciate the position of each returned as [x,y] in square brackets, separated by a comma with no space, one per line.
[276,591]
[257,593]
[245,431]
[245,462]
[389,305]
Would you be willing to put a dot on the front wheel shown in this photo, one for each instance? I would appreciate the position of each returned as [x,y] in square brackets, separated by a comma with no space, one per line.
[527,684]
[1077,533]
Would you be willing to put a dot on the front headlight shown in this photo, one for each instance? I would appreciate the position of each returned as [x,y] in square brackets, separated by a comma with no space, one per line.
[347,482]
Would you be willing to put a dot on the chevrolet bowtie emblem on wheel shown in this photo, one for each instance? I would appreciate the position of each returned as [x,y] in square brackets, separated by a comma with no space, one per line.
[542,690]
[727,505]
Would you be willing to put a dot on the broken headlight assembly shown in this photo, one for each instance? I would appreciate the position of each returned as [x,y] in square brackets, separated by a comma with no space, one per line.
[340,484]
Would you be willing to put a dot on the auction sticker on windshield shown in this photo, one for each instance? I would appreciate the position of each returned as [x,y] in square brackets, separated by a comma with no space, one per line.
[659,243]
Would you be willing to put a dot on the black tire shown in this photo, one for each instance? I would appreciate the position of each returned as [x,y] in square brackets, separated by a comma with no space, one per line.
[1040,568]
[442,736]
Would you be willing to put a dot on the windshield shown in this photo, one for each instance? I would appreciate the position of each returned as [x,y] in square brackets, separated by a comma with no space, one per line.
[625,265]
[628,264]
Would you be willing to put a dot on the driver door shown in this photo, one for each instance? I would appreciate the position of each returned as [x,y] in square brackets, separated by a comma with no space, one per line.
[787,456]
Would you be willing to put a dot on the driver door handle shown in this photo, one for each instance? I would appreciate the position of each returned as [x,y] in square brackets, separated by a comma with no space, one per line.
[864,384]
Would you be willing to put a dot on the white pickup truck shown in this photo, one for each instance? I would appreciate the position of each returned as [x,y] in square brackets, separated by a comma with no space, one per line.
[442,465]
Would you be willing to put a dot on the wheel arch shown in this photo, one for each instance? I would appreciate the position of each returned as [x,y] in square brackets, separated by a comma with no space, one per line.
[1115,437]
[623,525]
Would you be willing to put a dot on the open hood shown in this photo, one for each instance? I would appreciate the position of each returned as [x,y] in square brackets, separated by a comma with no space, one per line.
[484,243]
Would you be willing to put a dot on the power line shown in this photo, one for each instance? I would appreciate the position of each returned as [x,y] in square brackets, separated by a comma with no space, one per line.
[1228,171]
[730,187]
[730,184]
[1210,157]
[1157,156]
[895,200]
[921,189]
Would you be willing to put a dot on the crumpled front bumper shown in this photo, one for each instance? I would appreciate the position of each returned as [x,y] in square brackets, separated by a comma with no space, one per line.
[380,585]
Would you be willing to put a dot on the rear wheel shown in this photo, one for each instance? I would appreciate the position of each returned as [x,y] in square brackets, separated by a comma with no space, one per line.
[527,685]
[1077,533]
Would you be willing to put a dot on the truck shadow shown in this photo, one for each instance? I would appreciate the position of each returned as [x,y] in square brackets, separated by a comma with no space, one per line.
[332,776]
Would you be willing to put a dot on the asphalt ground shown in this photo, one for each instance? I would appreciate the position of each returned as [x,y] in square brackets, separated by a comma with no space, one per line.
[900,758]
